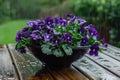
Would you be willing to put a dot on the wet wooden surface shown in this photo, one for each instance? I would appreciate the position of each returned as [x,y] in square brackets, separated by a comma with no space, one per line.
[15,66]
[7,70]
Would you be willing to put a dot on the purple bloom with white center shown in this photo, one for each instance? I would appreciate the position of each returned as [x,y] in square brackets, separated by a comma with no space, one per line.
[94,49]
[32,23]
[41,24]
[92,31]
[22,50]
[56,32]
[26,34]
[84,41]
[36,37]
[63,22]
[66,37]
[56,20]
[25,29]
[80,20]
[103,43]
[82,29]
[23,33]
[49,21]
[70,16]
[19,36]
[47,37]
[56,42]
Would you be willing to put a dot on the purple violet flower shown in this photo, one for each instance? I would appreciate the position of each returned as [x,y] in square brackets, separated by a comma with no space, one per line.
[56,42]
[66,37]
[47,37]
[22,50]
[70,16]
[25,29]
[49,21]
[80,20]
[32,23]
[41,24]
[103,43]
[36,37]
[84,41]
[56,20]
[62,22]
[92,31]
[23,33]
[19,36]
[94,49]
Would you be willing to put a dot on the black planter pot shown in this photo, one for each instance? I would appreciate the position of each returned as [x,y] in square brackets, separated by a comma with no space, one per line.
[54,62]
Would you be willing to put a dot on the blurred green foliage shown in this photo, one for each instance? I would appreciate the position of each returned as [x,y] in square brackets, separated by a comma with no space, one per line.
[98,10]
[105,14]
[24,9]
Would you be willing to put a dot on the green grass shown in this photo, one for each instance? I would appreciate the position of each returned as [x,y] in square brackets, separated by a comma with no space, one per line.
[9,29]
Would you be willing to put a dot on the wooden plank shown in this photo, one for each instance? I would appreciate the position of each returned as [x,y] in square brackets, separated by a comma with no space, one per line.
[26,64]
[113,47]
[42,75]
[92,70]
[113,52]
[7,71]
[107,62]
[67,74]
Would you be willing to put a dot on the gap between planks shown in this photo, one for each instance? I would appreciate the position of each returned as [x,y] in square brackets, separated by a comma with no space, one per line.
[10,47]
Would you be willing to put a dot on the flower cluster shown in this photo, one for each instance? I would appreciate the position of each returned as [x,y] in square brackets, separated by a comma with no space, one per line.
[58,32]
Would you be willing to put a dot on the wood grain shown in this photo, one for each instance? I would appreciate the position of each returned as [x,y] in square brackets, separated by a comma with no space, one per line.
[26,64]
[42,74]
[7,71]
[92,70]
[107,62]
[68,74]
[113,52]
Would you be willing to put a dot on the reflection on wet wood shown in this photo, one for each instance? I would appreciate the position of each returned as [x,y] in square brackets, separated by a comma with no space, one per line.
[7,71]
[63,74]
[113,52]
[107,62]
[26,64]
[91,69]
[67,74]
[42,74]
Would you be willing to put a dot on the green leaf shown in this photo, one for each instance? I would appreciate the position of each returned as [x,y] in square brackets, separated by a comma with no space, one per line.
[76,35]
[98,42]
[91,41]
[100,50]
[46,49]
[19,45]
[58,53]
[67,49]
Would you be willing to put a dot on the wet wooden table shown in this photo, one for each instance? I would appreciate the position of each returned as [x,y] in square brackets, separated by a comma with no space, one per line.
[15,66]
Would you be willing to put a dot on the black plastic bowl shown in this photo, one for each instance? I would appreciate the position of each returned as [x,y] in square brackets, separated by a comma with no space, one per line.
[52,61]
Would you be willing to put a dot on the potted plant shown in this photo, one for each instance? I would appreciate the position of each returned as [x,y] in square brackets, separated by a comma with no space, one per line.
[58,42]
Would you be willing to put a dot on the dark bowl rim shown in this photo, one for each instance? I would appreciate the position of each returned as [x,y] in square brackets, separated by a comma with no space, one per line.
[77,47]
